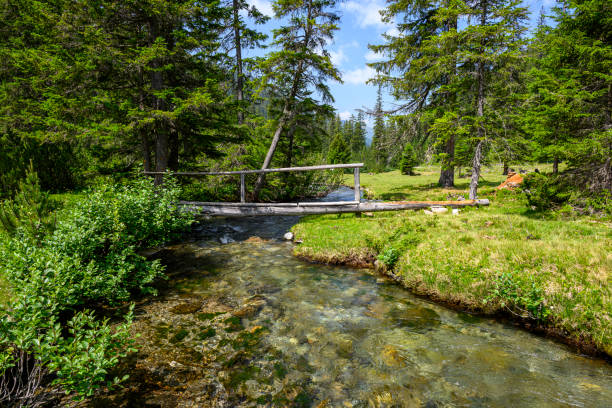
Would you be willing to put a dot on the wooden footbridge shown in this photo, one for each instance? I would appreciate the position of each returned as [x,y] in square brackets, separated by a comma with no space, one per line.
[245,209]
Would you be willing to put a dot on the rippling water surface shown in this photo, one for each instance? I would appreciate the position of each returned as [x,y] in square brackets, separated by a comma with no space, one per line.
[247,324]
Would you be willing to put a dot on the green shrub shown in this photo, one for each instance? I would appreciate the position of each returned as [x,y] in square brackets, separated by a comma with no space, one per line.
[519,295]
[88,262]
[389,257]
[545,192]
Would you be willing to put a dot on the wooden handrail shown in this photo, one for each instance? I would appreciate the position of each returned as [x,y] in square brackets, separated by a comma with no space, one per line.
[242,173]
[278,170]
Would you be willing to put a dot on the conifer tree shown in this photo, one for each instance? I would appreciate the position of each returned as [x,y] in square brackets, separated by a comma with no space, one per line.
[339,151]
[378,147]
[301,62]
[358,139]
[408,160]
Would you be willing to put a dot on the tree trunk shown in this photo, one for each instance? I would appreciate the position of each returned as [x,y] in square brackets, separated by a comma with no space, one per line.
[477,162]
[287,114]
[447,174]
[238,45]
[290,135]
[144,138]
[161,134]
[161,154]
[556,165]
[146,150]
[173,156]
[285,117]
[505,171]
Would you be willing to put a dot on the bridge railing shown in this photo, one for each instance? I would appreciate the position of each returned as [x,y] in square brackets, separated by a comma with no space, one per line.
[243,173]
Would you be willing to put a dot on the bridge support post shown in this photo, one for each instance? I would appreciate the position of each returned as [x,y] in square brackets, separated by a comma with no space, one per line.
[357,189]
[242,189]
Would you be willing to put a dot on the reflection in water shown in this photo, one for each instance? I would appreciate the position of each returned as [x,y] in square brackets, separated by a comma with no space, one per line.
[247,324]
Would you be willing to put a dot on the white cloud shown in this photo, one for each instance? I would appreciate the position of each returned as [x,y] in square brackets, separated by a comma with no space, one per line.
[367,12]
[337,57]
[265,6]
[358,76]
[345,115]
[372,56]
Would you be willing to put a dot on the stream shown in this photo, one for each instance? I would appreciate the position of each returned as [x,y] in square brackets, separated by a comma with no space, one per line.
[244,323]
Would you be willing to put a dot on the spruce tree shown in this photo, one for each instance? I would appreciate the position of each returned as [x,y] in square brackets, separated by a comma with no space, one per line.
[358,138]
[339,151]
[301,62]
[408,160]
[378,147]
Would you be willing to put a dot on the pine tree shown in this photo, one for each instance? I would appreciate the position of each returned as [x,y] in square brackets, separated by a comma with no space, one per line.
[302,62]
[569,106]
[358,139]
[408,160]
[420,65]
[243,37]
[378,147]
[339,152]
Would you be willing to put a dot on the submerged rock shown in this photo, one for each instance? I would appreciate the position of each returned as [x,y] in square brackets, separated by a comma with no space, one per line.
[186,308]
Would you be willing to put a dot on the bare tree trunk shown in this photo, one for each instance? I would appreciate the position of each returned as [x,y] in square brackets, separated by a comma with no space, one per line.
[285,117]
[447,173]
[146,150]
[238,45]
[174,147]
[288,112]
[505,171]
[556,165]
[290,135]
[161,154]
[477,162]
[144,138]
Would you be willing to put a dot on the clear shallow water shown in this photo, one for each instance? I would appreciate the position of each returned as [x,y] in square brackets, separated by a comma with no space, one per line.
[247,324]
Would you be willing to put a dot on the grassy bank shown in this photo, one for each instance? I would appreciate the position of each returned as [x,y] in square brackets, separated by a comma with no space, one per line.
[547,270]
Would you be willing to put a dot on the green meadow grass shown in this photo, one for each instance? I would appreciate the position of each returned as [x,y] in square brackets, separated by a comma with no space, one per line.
[550,268]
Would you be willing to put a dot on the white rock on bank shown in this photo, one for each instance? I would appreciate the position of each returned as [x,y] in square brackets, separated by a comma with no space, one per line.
[439,210]
[428,212]
[226,240]
[288,236]
[456,211]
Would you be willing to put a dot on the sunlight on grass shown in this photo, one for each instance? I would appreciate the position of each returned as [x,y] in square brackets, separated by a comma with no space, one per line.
[497,258]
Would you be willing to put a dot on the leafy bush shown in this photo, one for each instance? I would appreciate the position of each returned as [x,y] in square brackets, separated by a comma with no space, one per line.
[522,295]
[545,192]
[90,260]
[389,257]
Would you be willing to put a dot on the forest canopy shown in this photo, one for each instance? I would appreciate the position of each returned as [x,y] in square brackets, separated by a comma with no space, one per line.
[105,89]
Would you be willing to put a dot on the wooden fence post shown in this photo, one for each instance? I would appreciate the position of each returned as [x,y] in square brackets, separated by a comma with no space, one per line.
[357,189]
[242,189]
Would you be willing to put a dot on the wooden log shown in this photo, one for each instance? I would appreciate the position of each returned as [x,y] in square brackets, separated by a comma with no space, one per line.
[278,170]
[260,209]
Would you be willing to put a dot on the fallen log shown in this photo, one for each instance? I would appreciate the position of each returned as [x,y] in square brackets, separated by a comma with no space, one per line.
[310,208]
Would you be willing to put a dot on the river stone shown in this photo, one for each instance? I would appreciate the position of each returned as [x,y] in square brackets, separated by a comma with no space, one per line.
[186,308]
[288,236]
[226,240]
[438,210]
[391,356]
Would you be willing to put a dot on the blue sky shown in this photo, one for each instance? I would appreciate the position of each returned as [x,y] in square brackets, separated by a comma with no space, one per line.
[361,25]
